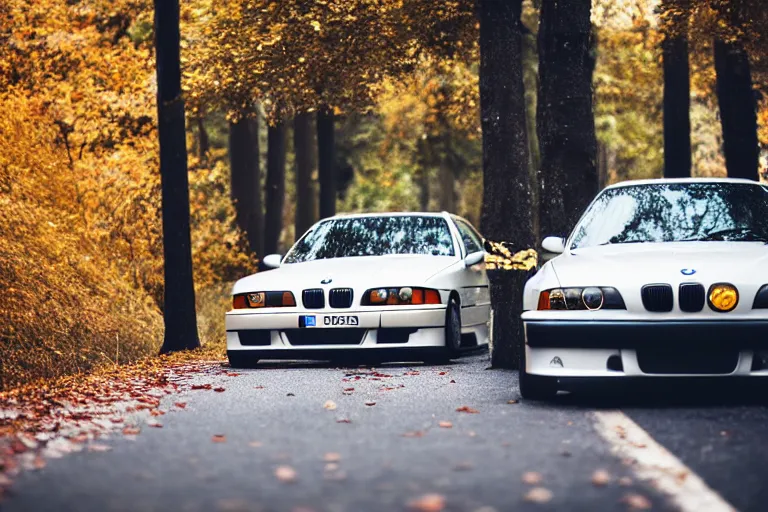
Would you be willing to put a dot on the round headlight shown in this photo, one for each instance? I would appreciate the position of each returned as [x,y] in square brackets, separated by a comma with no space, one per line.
[256,300]
[592,298]
[723,297]
[405,294]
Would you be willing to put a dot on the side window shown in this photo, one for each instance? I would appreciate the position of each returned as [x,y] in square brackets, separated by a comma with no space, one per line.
[471,241]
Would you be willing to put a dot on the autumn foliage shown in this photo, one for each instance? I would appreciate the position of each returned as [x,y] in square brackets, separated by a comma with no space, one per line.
[80,244]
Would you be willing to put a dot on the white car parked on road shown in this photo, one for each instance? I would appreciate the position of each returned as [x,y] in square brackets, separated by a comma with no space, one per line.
[659,278]
[408,286]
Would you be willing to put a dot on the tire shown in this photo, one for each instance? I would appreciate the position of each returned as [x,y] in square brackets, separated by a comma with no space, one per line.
[452,335]
[241,359]
[535,387]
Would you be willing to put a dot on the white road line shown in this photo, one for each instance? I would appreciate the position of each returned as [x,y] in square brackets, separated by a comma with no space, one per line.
[652,462]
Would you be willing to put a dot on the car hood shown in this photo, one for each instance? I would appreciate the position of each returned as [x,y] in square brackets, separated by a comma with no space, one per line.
[644,263]
[356,272]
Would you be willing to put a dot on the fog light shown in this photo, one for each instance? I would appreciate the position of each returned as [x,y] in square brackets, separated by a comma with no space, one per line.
[723,297]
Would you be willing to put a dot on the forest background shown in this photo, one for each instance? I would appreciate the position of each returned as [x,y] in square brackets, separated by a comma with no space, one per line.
[380,97]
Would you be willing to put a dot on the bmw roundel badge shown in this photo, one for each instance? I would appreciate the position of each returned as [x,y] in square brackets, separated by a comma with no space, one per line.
[327,280]
[688,271]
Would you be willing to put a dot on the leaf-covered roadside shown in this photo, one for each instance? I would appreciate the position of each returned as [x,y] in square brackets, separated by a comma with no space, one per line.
[50,418]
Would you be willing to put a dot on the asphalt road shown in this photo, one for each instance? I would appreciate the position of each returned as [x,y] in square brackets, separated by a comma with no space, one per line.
[286,448]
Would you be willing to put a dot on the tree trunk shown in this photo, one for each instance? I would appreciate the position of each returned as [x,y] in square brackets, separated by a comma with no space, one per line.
[738,110]
[179,292]
[677,90]
[326,163]
[506,211]
[565,120]
[306,205]
[424,162]
[447,173]
[203,142]
[275,187]
[246,180]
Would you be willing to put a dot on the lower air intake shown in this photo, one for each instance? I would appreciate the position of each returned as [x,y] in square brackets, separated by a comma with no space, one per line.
[319,336]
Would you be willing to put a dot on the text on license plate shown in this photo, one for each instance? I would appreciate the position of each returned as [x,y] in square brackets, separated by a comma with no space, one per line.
[329,321]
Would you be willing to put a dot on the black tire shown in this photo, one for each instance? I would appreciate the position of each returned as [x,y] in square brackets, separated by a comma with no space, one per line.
[241,359]
[535,387]
[452,335]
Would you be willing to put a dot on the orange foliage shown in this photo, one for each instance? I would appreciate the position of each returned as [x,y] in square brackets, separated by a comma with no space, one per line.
[80,232]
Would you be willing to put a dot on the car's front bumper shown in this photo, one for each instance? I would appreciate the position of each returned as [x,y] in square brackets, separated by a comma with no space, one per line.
[278,335]
[609,348]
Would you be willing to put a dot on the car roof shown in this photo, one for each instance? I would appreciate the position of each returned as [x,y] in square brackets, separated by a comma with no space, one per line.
[387,214]
[657,181]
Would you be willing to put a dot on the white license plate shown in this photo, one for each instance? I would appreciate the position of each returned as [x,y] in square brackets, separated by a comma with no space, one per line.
[330,321]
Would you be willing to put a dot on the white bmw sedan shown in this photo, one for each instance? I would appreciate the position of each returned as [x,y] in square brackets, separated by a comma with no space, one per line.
[403,286]
[660,278]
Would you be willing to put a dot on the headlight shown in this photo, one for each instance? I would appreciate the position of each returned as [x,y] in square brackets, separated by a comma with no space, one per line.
[590,298]
[263,300]
[761,298]
[400,296]
[723,297]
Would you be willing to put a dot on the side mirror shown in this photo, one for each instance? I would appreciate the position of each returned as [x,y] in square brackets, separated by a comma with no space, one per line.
[272,260]
[553,244]
[474,258]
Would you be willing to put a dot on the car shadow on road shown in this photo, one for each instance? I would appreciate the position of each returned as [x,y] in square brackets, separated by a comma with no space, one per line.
[666,394]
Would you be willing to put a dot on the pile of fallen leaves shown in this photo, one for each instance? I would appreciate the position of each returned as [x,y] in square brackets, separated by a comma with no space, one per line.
[49,418]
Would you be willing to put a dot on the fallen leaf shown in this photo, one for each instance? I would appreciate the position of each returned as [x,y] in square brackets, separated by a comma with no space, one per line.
[636,501]
[99,448]
[442,373]
[467,409]
[538,495]
[332,457]
[232,374]
[180,405]
[131,431]
[445,424]
[532,477]
[428,503]
[512,401]
[348,390]
[116,420]
[219,438]
[285,474]
[370,403]
[415,433]
[330,405]
[156,412]
[219,390]
[258,387]
[452,382]
[201,386]
[343,420]
[155,424]
[601,478]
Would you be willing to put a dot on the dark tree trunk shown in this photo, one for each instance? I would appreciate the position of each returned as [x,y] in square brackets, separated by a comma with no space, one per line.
[275,187]
[179,295]
[305,191]
[565,120]
[506,211]
[677,91]
[447,176]
[738,110]
[246,180]
[326,162]
[203,142]
[424,162]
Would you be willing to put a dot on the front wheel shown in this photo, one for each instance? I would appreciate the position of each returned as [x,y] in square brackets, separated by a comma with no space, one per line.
[241,359]
[535,387]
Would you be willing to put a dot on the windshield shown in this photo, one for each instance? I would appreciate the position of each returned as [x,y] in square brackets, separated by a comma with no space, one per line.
[676,212]
[374,236]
